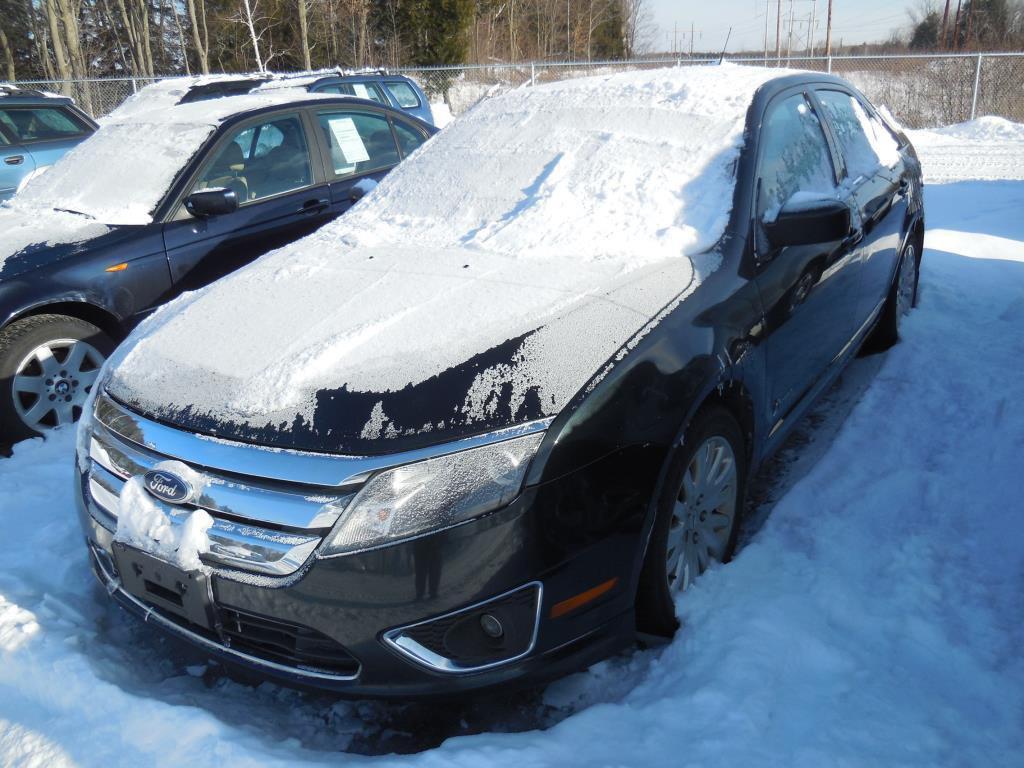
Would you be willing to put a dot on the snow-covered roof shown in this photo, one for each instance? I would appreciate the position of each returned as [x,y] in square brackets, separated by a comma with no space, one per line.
[569,213]
[120,173]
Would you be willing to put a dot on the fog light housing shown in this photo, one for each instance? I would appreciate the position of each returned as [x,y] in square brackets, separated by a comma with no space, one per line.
[495,632]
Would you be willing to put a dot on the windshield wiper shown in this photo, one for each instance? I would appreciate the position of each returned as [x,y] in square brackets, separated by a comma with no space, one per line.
[77,213]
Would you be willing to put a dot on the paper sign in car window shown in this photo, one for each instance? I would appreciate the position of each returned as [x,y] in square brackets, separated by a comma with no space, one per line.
[361,91]
[348,140]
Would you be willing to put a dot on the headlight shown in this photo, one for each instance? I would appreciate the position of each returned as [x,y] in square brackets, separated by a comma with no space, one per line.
[433,494]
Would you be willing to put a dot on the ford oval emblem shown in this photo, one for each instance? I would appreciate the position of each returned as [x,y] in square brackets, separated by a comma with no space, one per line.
[167,486]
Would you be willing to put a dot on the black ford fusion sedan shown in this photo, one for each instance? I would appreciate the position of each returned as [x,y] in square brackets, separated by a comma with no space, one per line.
[496,434]
[174,192]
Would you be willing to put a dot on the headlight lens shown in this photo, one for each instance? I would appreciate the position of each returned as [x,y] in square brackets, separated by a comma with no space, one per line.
[429,495]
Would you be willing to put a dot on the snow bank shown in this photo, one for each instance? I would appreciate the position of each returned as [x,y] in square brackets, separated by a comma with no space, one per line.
[985,148]
[570,207]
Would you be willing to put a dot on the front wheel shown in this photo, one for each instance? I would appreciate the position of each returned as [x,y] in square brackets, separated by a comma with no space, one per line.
[48,366]
[697,517]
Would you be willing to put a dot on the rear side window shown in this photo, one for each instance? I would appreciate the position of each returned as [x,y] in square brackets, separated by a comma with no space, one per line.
[41,123]
[795,156]
[404,94]
[359,90]
[864,141]
[408,139]
[359,142]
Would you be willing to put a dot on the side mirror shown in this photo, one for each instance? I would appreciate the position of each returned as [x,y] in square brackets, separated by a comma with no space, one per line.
[211,202]
[808,222]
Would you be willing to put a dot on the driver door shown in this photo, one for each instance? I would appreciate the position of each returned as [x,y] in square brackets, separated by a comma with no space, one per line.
[282,194]
[809,292]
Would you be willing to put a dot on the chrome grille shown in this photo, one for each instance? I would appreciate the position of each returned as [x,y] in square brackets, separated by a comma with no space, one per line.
[261,525]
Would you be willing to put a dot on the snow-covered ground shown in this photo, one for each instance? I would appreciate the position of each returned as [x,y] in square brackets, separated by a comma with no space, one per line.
[875,615]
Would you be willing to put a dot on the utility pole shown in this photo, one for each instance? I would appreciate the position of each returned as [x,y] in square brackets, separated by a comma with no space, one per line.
[956,27]
[778,32]
[944,43]
[810,30]
[789,41]
[767,15]
[828,31]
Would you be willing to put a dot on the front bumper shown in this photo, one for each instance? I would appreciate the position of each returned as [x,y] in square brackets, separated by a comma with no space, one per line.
[356,601]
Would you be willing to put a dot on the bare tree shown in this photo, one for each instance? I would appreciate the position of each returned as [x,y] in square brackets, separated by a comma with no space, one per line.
[8,56]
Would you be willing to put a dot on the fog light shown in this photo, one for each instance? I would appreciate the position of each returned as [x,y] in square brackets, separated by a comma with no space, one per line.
[491,626]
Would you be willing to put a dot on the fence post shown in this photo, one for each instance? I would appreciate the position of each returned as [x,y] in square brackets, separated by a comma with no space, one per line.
[828,65]
[135,88]
[977,80]
[533,73]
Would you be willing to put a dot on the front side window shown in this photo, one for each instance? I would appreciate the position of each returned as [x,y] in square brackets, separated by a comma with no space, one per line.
[41,123]
[795,156]
[404,94]
[359,142]
[864,141]
[261,161]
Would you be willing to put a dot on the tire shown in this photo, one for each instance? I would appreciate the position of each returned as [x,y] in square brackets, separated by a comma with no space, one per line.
[902,298]
[670,561]
[48,365]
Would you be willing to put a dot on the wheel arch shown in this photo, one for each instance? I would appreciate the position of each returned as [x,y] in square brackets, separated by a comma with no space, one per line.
[103,319]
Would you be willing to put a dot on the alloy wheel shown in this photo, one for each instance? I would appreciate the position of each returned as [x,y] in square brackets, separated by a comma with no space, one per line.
[53,381]
[704,513]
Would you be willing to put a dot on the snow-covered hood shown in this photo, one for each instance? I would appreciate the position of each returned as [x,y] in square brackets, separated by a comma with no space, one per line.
[485,282]
[31,238]
[474,342]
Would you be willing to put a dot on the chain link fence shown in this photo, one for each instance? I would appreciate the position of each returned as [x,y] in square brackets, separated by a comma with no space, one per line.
[922,91]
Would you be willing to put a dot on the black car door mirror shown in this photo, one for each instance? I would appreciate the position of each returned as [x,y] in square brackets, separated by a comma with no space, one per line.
[211,202]
[808,222]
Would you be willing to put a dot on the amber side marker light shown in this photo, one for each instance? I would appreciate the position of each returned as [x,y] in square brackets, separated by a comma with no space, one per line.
[562,608]
[117,267]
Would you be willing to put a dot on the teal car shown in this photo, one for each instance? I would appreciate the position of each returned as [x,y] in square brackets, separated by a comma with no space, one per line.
[36,130]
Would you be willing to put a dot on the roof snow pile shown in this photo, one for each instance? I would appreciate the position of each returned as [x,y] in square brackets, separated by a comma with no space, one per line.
[576,208]
[120,173]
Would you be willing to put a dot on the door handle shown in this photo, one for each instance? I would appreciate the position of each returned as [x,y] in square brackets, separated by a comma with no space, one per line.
[14,159]
[313,206]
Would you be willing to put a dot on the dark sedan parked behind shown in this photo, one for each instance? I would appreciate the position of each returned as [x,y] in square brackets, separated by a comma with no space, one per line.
[165,199]
[483,434]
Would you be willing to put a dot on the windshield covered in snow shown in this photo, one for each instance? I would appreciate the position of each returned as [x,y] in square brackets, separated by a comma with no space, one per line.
[120,173]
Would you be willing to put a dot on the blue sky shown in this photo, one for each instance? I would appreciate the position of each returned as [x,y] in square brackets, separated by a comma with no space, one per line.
[854,21]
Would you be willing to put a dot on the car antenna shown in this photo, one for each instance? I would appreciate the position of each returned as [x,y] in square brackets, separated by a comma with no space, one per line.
[721,59]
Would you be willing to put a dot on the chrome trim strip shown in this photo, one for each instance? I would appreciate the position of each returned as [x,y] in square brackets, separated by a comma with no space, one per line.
[233,545]
[284,465]
[411,649]
[261,503]
[112,585]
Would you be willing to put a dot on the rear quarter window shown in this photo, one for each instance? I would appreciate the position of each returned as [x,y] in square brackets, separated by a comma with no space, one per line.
[404,94]
[28,124]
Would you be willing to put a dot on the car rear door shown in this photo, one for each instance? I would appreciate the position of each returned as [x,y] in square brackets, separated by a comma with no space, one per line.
[15,164]
[873,168]
[809,292]
[359,146]
[272,164]
[44,132]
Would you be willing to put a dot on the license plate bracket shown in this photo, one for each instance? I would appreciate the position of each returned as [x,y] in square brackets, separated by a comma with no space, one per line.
[165,585]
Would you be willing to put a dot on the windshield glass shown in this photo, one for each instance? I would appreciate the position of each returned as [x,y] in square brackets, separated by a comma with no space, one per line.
[119,174]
